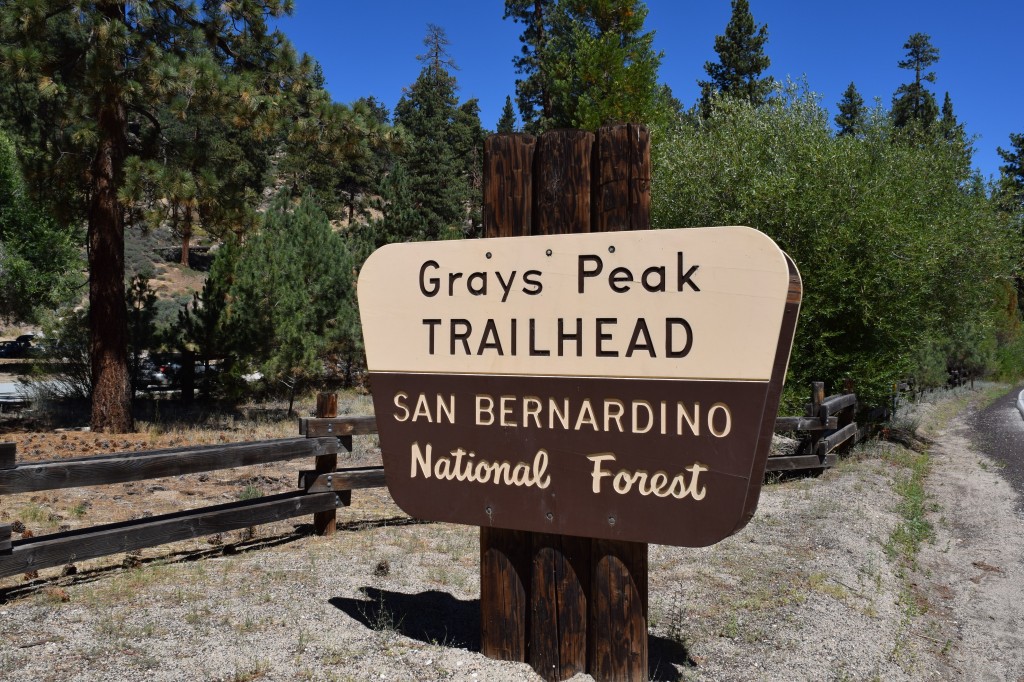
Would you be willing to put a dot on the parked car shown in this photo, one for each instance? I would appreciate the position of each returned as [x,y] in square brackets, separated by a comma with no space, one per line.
[10,349]
[19,348]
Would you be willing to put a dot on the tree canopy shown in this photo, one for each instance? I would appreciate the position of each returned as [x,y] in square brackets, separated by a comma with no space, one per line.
[851,116]
[913,102]
[741,61]
[442,149]
[507,122]
[289,308]
[89,88]
[891,290]
[586,63]
[40,266]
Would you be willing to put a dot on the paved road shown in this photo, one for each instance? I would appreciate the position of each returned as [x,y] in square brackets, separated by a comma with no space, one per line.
[998,431]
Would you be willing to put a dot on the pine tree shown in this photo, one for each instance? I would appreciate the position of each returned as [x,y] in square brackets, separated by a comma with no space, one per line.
[400,221]
[586,63]
[507,122]
[140,300]
[1011,175]
[90,80]
[954,134]
[532,90]
[201,323]
[952,130]
[428,113]
[1014,158]
[741,61]
[468,137]
[339,153]
[913,102]
[291,296]
[850,118]
[208,171]
[39,259]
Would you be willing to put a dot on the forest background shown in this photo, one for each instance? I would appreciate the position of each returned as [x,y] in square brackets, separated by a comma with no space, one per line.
[203,119]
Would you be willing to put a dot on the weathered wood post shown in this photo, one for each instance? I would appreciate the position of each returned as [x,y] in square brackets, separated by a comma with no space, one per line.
[566,604]
[326,407]
[846,417]
[813,409]
[7,461]
[7,455]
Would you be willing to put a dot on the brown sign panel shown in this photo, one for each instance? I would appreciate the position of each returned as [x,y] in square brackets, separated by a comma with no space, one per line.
[610,385]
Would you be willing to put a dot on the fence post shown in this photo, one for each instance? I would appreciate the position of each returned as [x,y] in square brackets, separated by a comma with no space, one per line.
[814,410]
[847,417]
[587,598]
[326,407]
[7,461]
[7,451]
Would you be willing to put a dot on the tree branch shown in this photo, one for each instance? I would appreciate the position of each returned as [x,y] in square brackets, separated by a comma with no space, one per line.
[149,115]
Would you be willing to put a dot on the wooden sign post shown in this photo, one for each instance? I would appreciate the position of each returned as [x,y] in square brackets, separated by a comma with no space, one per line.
[581,604]
[577,390]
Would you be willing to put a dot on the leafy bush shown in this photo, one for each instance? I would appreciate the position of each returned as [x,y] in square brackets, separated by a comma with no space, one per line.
[899,256]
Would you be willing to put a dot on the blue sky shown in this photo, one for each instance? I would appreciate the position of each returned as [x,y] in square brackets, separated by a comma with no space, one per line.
[370,48]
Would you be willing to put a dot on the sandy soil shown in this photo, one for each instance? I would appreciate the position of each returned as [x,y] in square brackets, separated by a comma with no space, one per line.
[972,575]
[811,590]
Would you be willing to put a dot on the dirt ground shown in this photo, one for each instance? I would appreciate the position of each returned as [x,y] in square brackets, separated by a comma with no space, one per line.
[813,589]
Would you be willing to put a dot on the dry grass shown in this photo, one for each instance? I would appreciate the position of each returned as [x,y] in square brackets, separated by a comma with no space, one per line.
[811,564]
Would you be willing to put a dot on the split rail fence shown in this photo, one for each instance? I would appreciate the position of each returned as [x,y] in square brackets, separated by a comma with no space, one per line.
[829,428]
[828,425]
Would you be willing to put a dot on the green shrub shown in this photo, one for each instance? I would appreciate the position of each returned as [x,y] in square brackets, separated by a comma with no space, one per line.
[899,255]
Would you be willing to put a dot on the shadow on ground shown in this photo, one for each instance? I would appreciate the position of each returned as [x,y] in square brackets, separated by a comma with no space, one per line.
[72,575]
[438,618]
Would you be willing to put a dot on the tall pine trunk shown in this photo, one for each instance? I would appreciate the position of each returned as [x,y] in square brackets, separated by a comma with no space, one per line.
[108,317]
[186,235]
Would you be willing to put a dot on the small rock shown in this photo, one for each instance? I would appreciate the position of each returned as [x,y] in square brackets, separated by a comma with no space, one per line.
[57,594]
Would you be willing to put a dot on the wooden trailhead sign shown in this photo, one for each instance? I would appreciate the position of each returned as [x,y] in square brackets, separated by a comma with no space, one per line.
[616,385]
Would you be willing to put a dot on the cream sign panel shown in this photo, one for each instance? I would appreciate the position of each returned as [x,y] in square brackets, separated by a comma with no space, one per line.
[699,303]
[612,385]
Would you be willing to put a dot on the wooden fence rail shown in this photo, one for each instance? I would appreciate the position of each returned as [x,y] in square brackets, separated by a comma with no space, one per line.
[140,466]
[828,423]
[319,492]
[830,427]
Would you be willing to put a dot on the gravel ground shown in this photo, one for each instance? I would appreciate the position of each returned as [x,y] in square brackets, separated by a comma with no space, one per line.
[810,590]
